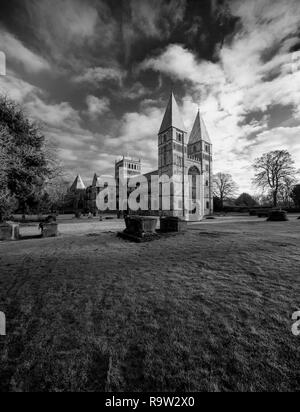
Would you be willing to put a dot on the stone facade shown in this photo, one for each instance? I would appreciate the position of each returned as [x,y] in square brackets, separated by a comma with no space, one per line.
[180,157]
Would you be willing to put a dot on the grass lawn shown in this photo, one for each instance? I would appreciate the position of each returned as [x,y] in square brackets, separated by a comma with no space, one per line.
[206,311]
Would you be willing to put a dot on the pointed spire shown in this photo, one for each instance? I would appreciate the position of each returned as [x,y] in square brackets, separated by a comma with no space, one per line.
[95,180]
[78,184]
[172,117]
[199,131]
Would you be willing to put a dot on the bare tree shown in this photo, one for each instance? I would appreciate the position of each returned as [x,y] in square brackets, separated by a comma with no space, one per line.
[55,193]
[272,171]
[224,187]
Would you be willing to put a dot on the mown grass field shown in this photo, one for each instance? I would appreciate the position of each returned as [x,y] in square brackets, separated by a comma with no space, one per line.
[206,311]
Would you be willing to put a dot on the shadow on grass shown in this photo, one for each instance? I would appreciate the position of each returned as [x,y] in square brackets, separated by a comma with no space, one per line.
[31,237]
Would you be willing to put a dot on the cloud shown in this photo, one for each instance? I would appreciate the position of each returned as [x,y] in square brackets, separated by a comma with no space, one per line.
[99,75]
[15,88]
[180,63]
[253,74]
[96,106]
[255,71]
[17,52]
[138,136]
[37,105]
[60,115]
[60,122]
[69,21]
[73,32]
[155,19]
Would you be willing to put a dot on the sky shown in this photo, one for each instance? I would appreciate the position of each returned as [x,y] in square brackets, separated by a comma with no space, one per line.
[97,75]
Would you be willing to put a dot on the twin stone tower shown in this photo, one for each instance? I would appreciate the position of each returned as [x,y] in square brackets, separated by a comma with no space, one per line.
[178,153]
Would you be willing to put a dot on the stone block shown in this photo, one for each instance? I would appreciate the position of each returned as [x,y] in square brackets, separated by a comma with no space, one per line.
[49,229]
[172,224]
[141,225]
[263,213]
[9,231]
[278,216]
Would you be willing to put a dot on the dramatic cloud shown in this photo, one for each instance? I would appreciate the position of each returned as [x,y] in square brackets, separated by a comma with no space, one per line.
[17,52]
[254,72]
[97,75]
[158,17]
[15,88]
[96,107]
[150,19]
[74,33]
[178,62]
[100,74]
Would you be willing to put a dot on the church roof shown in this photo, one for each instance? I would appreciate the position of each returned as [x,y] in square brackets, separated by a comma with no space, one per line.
[172,116]
[78,184]
[199,131]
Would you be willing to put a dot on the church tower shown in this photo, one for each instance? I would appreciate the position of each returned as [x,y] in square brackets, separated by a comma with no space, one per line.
[200,148]
[172,148]
[188,161]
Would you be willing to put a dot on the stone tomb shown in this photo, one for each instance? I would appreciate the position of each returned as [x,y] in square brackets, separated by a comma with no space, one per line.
[141,225]
[49,229]
[278,216]
[140,228]
[172,224]
[9,231]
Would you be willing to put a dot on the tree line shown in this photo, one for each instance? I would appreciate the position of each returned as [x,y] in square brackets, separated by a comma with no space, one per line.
[32,180]
[275,177]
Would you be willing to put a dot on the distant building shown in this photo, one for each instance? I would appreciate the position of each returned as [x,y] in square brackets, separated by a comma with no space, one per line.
[127,168]
[84,198]
[78,185]
[91,195]
[178,156]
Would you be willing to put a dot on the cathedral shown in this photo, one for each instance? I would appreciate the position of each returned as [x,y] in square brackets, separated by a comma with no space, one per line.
[184,158]
[190,156]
